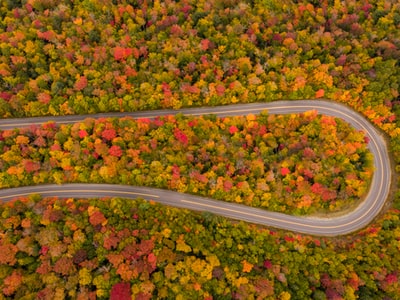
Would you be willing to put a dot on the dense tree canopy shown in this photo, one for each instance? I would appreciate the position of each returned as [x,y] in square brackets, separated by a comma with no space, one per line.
[115,248]
[288,163]
[63,57]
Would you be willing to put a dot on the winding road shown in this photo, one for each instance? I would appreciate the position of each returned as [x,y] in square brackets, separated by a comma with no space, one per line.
[345,224]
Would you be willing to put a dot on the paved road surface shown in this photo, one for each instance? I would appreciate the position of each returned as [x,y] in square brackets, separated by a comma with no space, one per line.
[345,224]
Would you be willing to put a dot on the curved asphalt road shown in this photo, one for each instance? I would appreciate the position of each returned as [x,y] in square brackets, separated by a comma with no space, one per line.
[345,224]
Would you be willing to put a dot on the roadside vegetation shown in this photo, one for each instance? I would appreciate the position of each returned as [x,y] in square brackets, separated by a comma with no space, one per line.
[297,164]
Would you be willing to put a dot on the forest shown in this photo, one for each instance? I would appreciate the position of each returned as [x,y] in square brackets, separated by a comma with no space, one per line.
[83,57]
[297,164]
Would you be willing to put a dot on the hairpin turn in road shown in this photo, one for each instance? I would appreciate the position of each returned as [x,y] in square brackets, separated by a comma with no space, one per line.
[353,221]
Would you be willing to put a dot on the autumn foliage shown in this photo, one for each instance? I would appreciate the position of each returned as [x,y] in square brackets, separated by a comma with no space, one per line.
[122,249]
[291,163]
[63,58]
